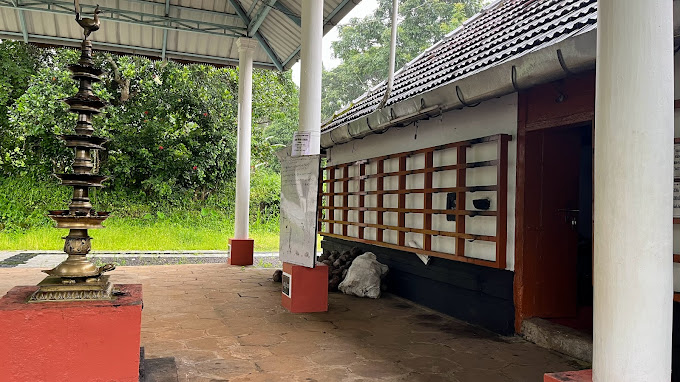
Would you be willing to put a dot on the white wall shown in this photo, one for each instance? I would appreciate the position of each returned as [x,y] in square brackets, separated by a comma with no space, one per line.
[497,116]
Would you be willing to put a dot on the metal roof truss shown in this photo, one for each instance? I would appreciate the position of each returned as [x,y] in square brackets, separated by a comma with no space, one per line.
[215,27]
[154,20]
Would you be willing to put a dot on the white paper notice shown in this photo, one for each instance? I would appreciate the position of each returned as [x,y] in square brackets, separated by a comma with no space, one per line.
[676,161]
[676,199]
[299,194]
[301,144]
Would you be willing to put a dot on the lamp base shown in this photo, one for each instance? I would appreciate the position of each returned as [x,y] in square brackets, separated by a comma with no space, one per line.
[53,288]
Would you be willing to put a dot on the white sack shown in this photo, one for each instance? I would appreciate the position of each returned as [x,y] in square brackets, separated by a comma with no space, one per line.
[364,276]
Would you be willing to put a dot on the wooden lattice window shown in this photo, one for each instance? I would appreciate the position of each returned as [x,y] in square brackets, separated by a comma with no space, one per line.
[447,201]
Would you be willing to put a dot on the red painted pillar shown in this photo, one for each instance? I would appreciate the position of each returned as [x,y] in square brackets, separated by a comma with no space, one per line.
[570,376]
[70,340]
[241,251]
[305,290]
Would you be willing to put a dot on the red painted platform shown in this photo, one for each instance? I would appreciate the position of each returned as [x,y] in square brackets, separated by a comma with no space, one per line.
[308,288]
[241,251]
[570,376]
[70,341]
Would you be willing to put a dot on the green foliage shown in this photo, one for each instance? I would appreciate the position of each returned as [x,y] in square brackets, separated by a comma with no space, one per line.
[364,45]
[276,123]
[172,132]
[178,134]
[175,224]
[24,202]
[18,63]
[122,234]
[171,127]
[265,192]
[264,264]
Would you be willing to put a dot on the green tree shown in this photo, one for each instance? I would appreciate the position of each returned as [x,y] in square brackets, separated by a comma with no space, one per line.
[363,44]
[37,116]
[275,115]
[18,63]
[171,127]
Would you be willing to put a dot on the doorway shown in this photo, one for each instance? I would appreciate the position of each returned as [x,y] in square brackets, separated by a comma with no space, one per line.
[557,229]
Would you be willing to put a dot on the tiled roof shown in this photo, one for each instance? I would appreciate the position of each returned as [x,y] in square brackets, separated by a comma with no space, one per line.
[502,32]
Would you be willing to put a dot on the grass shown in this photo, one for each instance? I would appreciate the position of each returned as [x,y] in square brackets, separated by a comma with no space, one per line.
[136,223]
[264,264]
[148,235]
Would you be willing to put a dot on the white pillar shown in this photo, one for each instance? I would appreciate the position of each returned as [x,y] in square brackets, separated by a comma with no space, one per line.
[246,47]
[633,279]
[310,71]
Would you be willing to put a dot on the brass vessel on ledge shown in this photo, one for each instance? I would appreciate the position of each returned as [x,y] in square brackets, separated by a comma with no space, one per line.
[77,278]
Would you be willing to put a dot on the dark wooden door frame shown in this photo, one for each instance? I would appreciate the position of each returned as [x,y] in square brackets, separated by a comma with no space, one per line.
[580,91]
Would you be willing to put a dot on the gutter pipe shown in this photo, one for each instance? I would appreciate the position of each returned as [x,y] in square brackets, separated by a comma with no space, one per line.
[393,53]
[573,54]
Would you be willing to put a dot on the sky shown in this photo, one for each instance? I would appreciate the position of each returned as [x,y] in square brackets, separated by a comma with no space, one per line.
[364,8]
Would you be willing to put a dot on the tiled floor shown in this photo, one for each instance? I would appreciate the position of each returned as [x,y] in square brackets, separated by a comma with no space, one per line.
[225,323]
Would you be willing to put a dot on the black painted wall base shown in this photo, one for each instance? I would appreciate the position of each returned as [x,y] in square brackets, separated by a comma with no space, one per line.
[480,295]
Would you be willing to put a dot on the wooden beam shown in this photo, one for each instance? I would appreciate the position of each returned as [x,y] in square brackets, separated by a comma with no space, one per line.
[433,211]
[380,200]
[487,163]
[502,203]
[401,229]
[345,198]
[442,255]
[427,201]
[401,216]
[362,198]
[461,175]
[420,190]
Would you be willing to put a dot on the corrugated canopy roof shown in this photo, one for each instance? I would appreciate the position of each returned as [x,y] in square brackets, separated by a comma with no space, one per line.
[186,30]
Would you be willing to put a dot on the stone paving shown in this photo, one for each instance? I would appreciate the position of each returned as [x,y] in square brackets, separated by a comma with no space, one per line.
[50,259]
[224,323]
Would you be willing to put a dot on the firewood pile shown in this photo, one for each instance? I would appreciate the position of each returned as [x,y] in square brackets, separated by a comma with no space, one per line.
[338,265]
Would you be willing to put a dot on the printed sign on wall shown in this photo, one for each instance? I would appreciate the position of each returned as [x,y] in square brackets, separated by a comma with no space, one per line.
[285,284]
[301,144]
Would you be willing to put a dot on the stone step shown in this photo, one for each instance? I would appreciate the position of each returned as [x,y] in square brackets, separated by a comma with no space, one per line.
[558,338]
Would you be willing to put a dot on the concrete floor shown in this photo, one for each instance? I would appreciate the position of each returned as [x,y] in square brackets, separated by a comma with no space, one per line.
[225,323]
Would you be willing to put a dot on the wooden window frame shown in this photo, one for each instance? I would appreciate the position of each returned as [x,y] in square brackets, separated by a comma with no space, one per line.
[326,225]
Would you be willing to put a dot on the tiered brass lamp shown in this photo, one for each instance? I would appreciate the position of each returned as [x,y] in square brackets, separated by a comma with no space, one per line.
[77,278]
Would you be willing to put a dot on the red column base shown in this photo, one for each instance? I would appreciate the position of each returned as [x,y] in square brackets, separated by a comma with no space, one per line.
[241,251]
[308,288]
[70,341]
[569,376]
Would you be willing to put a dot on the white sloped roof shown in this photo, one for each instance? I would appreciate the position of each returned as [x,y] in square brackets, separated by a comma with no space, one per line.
[185,30]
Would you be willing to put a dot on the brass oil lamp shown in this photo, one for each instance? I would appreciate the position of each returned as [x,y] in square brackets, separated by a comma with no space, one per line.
[77,278]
